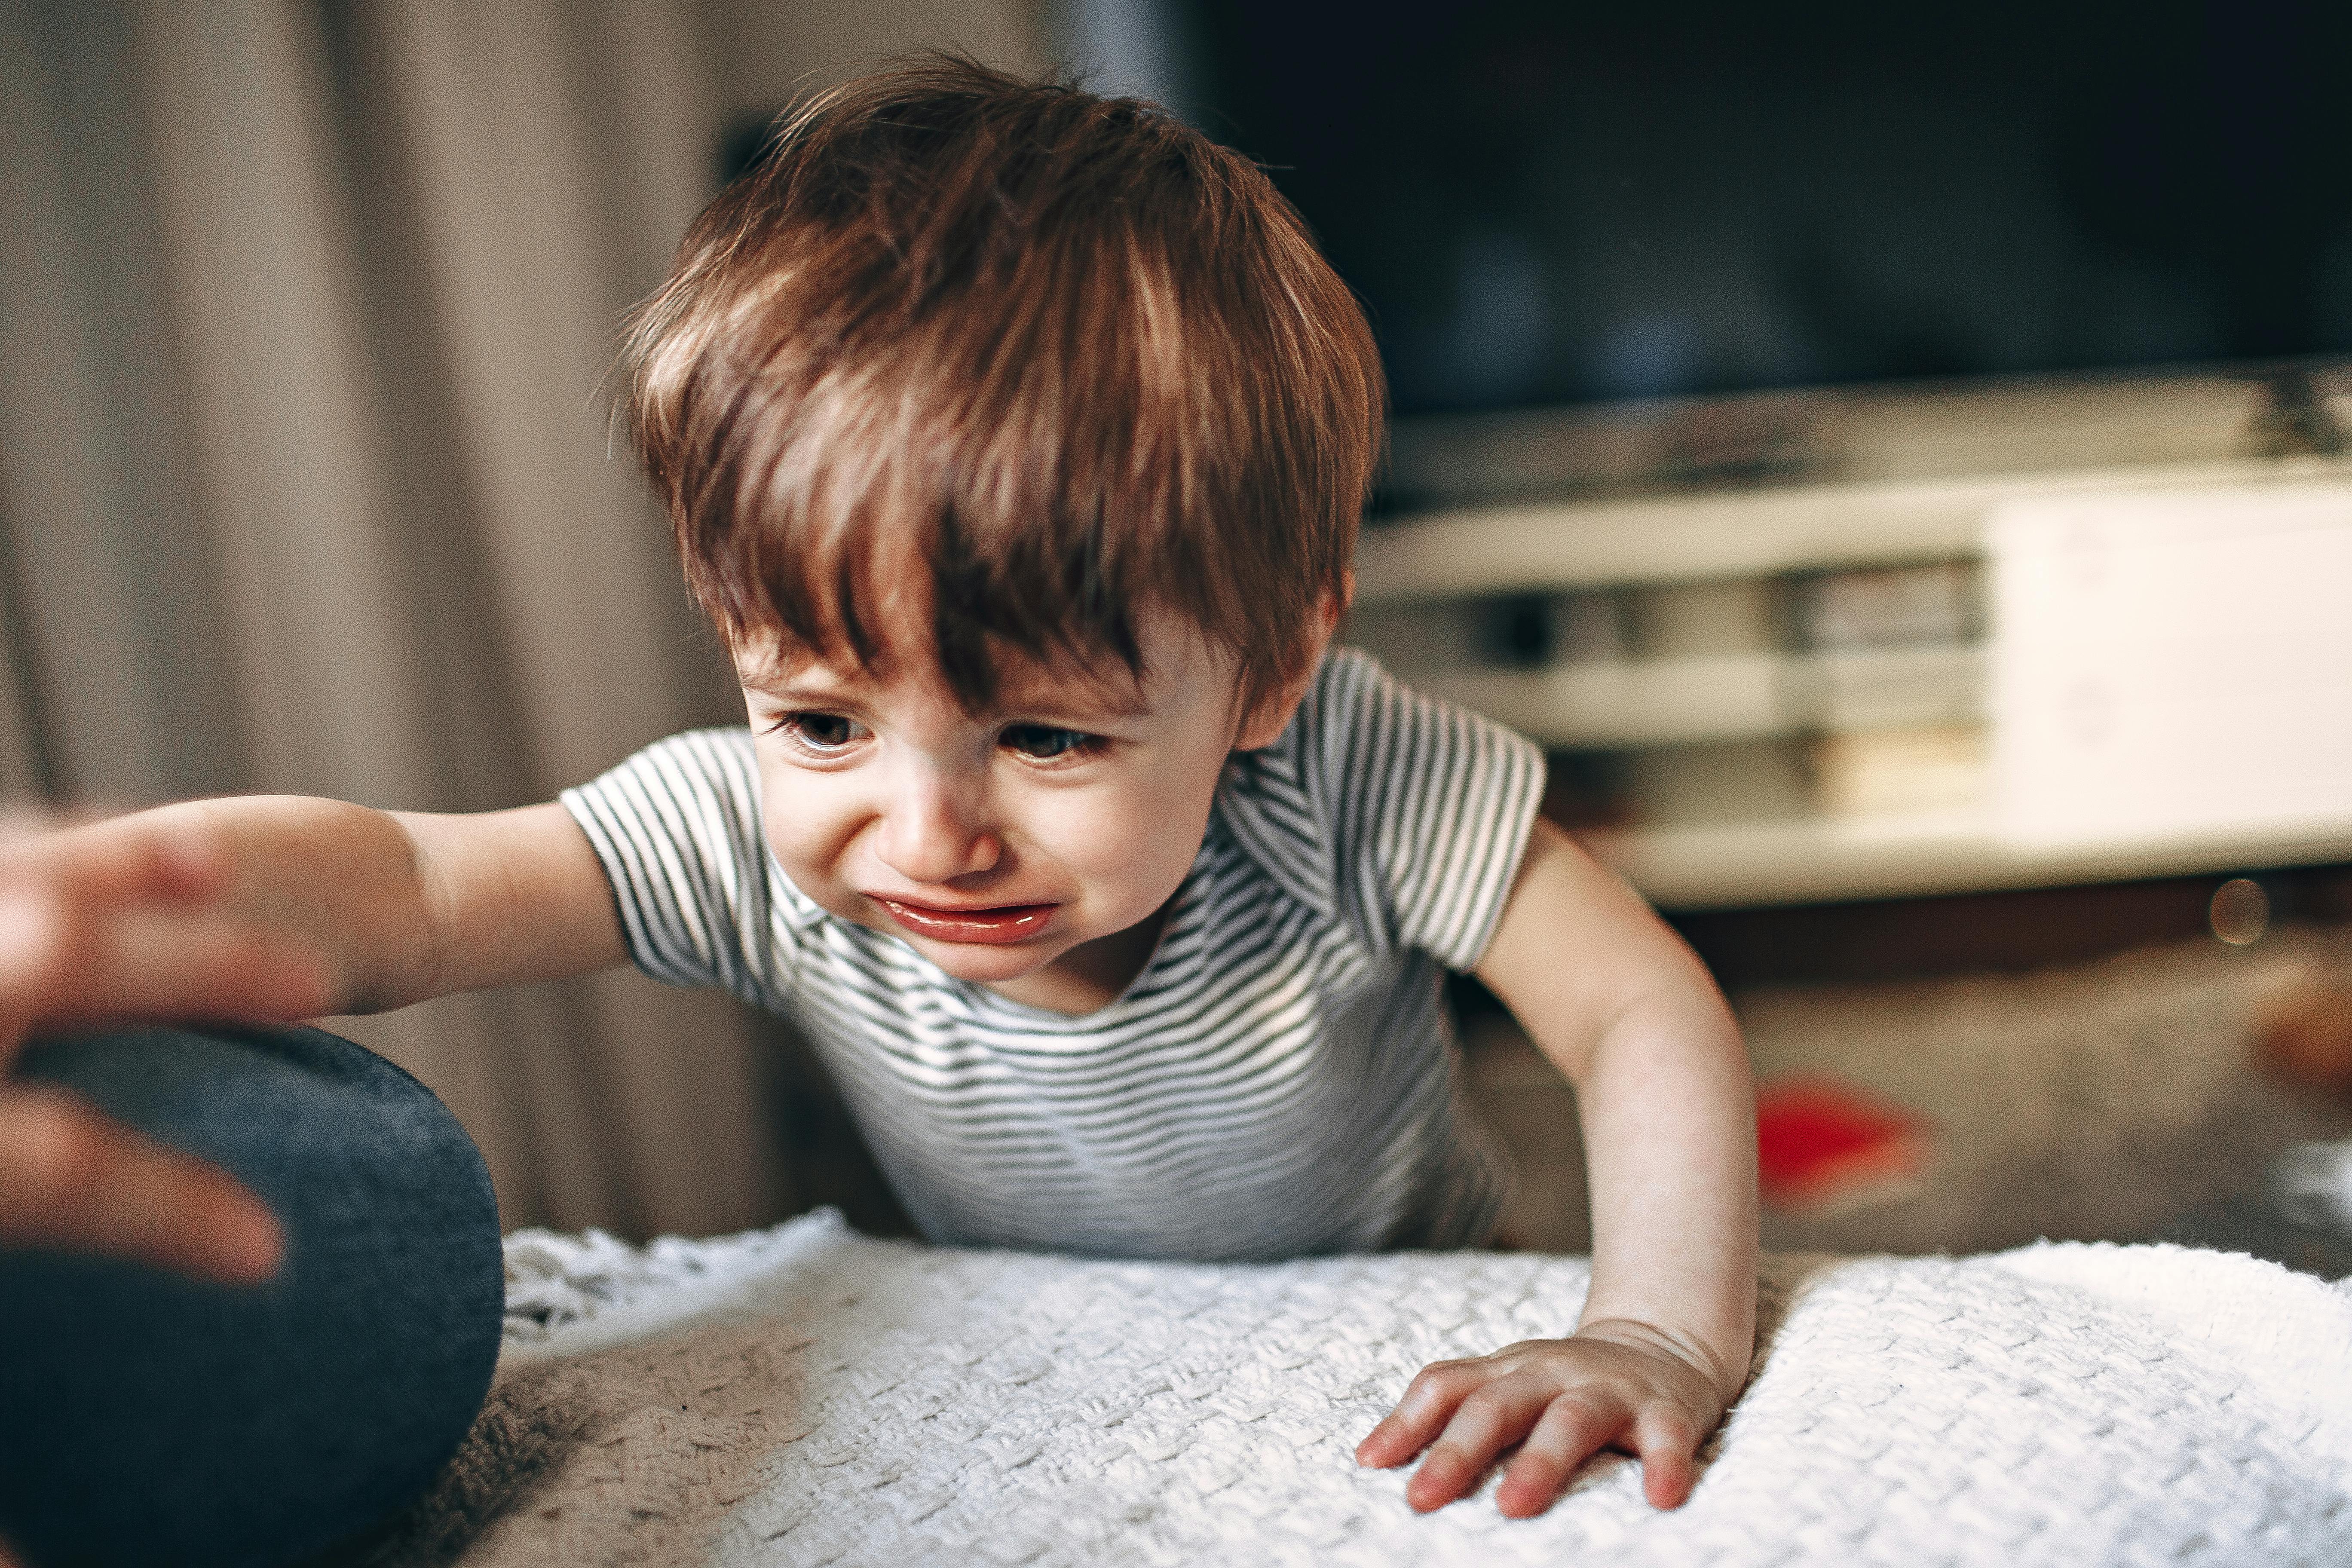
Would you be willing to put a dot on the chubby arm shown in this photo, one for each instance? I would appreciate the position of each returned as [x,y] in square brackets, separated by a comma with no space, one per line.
[397,906]
[1618,1003]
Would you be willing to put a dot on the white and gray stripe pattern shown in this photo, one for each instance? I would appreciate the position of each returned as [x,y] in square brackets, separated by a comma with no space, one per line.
[1281,1079]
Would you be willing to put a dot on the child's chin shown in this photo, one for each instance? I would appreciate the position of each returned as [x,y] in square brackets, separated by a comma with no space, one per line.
[986,964]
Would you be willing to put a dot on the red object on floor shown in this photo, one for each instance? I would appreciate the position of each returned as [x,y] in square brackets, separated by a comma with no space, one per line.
[2304,1033]
[1820,1146]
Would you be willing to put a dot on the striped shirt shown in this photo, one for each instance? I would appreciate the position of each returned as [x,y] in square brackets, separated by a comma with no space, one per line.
[1280,1079]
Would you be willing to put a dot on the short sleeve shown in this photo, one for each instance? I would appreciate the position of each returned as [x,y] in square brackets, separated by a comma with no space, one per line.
[1400,813]
[676,828]
[1433,807]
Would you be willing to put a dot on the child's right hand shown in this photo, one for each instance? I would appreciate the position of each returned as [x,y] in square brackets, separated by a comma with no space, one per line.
[98,927]
[1611,1385]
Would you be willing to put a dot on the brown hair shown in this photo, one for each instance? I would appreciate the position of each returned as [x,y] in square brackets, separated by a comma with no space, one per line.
[1042,356]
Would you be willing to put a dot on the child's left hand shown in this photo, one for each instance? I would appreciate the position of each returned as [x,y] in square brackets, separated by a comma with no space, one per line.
[1615,1384]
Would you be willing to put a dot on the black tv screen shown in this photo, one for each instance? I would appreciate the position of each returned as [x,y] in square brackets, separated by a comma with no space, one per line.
[1545,203]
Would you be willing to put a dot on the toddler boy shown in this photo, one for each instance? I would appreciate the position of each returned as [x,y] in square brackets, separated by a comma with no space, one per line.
[1016,441]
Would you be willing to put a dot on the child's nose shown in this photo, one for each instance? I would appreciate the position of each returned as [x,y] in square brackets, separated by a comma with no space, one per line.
[928,833]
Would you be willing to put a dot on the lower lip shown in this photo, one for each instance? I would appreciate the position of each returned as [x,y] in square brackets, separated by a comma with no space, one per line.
[1012,922]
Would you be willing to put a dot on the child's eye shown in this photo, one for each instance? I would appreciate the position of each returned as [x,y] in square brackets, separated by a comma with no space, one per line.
[822,734]
[1045,742]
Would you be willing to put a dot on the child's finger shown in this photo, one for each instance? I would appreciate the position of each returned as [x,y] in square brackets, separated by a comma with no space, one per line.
[1386,1444]
[1489,1420]
[1668,1445]
[145,965]
[35,943]
[1571,1430]
[1429,1400]
[103,863]
[210,967]
[70,1177]
[20,821]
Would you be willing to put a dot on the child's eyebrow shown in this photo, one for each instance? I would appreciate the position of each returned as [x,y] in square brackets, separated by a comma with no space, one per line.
[1077,701]
[787,686]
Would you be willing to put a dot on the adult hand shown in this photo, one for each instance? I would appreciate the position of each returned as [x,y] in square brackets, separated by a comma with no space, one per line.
[116,922]
[1614,1384]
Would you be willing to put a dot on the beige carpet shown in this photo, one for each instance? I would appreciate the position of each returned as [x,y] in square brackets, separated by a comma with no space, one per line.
[2115,1101]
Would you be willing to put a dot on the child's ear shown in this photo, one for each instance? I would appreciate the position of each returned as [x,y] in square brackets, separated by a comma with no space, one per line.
[1272,715]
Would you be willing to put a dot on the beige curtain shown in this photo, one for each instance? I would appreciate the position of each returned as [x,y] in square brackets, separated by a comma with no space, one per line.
[307,483]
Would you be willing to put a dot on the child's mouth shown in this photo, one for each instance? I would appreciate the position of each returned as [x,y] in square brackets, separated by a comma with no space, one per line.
[1007,922]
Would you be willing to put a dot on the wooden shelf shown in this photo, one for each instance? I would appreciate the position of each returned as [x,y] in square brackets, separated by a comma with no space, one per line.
[1802,483]
[1855,435]
[1732,697]
[1532,548]
[1823,860]
[1652,702]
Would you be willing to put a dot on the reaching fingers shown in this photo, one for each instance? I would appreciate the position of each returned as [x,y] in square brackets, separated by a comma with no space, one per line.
[101,924]
[171,861]
[64,964]
[75,1179]
[149,963]
[34,947]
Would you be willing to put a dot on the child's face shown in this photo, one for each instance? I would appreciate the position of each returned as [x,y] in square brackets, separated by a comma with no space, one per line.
[995,844]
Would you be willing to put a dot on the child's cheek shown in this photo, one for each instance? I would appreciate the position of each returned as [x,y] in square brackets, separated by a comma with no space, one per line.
[1132,845]
[809,832]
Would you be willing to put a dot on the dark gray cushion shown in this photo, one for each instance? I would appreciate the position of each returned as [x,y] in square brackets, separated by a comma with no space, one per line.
[150,1418]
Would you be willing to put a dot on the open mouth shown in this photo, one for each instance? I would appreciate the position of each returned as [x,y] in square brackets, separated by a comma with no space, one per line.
[1005,922]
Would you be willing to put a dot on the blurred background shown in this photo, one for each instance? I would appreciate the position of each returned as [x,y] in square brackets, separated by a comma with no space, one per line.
[1900,464]
[307,482]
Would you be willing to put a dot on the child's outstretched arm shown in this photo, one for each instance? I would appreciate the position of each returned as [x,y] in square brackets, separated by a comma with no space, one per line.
[1617,1002]
[397,906]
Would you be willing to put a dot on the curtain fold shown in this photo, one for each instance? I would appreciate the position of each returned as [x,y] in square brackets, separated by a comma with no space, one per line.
[376,261]
[525,249]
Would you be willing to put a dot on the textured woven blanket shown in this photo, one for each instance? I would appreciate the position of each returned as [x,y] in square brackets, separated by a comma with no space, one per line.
[805,1395]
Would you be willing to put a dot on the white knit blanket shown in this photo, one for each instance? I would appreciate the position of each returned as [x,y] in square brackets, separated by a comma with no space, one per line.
[805,1395]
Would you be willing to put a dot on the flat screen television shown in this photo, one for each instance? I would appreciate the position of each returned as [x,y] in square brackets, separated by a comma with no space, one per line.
[1548,204]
